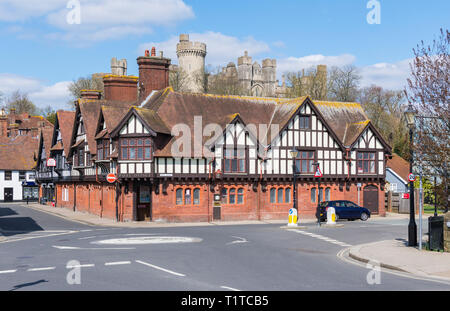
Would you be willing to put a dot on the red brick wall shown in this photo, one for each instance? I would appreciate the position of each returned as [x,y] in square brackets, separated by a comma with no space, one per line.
[120,88]
[153,74]
[99,199]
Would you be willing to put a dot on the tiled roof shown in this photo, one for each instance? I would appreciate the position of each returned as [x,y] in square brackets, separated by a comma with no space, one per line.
[65,122]
[399,166]
[18,153]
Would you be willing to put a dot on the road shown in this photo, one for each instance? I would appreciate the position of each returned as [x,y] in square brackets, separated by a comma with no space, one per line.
[45,252]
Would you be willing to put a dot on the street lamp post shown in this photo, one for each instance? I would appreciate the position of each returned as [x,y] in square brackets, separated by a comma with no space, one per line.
[410,114]
[317,165]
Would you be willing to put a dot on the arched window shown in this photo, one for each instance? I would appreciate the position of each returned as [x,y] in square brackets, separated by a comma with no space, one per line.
[273,194]
[240,196]
[232,197]
[196,196]
[327,194]
[287,195]
[179,196]
[280,195]
[313,195]
[224,196]
[187,196]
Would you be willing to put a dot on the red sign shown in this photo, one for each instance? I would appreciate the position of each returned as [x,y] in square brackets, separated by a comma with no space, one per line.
[318,172]
[405,196]
[111,178]
[412,177]
[51,162]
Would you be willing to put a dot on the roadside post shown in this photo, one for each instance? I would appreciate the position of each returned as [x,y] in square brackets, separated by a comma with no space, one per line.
[420,211]
[292,217]
[331,216]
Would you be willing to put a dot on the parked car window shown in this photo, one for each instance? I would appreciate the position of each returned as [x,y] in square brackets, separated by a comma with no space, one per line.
[351,204]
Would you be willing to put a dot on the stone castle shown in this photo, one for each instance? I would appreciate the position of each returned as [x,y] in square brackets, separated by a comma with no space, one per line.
[252,78]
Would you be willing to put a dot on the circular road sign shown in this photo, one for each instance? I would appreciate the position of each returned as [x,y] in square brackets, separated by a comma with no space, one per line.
[411,177]
[51,162]
[111,178]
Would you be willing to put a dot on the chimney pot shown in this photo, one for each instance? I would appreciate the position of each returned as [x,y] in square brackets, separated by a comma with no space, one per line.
[153,51]
[147,53]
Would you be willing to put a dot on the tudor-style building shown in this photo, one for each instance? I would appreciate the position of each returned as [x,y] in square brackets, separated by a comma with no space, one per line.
[199,157]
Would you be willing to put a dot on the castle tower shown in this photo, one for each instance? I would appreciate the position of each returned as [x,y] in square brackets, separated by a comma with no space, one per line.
[269,71]
[191,61]
[245,73]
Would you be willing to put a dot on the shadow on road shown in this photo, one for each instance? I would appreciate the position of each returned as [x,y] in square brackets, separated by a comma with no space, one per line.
[6,211]
[28,284]
[18,225]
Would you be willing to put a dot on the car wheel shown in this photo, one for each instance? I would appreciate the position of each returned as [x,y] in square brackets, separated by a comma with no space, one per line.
[364,216]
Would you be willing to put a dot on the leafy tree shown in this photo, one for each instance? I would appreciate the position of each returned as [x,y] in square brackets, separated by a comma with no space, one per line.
[49,113]
[312,82]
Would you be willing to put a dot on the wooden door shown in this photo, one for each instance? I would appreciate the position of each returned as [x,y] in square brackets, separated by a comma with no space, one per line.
[8,194]
[371,198]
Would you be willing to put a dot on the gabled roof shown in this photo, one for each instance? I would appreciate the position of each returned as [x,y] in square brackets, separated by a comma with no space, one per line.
[399,165]
[18,153]
[346,119]
[65,121]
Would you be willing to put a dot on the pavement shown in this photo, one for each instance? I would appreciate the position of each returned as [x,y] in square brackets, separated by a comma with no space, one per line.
[396,255]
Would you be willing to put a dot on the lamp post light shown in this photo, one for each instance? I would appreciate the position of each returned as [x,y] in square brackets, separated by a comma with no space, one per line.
[410,115]
[294,155]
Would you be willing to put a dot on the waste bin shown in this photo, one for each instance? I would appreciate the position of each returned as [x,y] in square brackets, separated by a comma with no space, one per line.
[436,232]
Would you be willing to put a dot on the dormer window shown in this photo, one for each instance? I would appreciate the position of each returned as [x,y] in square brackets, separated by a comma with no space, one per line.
[304,122]
[135,149]
[102,149]
[234,160]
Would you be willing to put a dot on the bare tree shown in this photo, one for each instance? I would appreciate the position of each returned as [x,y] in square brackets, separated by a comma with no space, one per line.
[21,103]
[343,83]
[178,79]
[428,91]
[313,83]
[385,109]
[222,82]
[94,82]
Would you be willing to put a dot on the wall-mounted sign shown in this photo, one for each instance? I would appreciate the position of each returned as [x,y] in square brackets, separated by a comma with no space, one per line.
[51,162]
[405,196]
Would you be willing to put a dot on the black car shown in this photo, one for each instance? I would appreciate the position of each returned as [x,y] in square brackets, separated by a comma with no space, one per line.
[344,210]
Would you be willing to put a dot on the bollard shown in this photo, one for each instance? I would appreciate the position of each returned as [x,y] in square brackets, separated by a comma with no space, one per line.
[292,217]
[331,216]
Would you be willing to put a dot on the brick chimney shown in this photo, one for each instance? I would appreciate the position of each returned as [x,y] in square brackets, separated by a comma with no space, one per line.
[3,123]
[153,73]
[120,88]
[90,94]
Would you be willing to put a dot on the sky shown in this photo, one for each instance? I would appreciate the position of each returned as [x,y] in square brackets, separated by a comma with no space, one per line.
[47,44]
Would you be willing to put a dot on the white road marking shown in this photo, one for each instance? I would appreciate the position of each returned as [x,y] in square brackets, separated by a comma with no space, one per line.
[81,266]
[42,269]
[117,263]
[34,236]
[159,268]
[230,288]
[321,237]
[91,248]
[241,240]
[88,237]
[7,271]
[148,240]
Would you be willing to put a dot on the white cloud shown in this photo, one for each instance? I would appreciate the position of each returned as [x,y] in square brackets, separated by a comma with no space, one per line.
[99,19]
[56,95]
[293,64]
[386,75]
[221,49]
